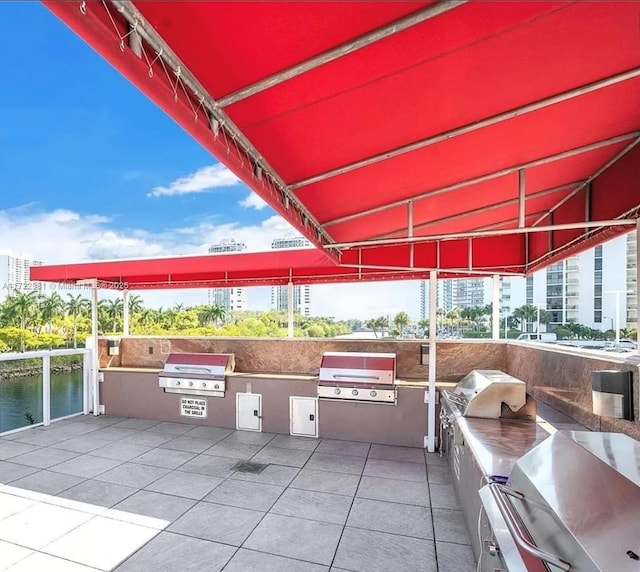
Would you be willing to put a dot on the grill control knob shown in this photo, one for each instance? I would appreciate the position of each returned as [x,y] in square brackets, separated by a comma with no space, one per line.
[354,392]
[191,384]
[336,391]
[177,383]
[204,384]
[373,393]
[216,386]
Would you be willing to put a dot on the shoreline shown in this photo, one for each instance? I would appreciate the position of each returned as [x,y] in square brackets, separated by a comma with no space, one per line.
[19,372]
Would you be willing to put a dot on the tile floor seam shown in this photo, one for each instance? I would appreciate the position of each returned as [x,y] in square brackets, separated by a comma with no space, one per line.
[230,477]
[353,499]
[433,522]
[285,488]
[271,554]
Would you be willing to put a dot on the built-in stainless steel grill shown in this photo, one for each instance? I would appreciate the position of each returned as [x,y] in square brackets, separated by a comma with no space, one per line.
[491,394]
[197,373]
[357,376]
[571,503]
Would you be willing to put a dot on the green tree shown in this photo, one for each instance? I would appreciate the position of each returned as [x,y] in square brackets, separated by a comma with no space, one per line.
[76,306]
[23,307]
[51,307]
[401,321]
[113,311]
[135,307]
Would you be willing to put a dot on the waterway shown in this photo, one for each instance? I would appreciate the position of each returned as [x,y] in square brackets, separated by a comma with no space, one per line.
[21,399]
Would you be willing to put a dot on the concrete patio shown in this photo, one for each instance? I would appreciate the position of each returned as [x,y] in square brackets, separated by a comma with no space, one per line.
[109,493]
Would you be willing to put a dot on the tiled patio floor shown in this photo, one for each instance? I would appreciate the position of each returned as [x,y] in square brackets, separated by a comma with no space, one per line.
[108,493]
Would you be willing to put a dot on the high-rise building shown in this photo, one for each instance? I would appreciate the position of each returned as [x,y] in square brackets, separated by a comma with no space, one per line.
[470,292]
[231,299]
[632,280]
[448,295]
[301,294]
[14,275]
[583,288]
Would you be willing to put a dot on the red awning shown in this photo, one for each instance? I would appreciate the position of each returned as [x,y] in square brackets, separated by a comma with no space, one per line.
[485,136]
[273,268]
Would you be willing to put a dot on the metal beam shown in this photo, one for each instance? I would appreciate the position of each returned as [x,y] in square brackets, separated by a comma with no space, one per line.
[582,185]
[218,118]
[487,177]
[483,233]
[480,210]
[458,131]
[487,270]
[522,198]
[342,50]
[410,218]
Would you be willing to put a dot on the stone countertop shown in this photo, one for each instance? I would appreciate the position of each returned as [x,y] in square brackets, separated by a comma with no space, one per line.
[497,444]
[283,376]
[254,375]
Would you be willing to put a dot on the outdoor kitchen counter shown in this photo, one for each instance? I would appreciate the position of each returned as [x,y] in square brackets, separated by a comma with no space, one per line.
[496,444]
[254,375]
[440,385]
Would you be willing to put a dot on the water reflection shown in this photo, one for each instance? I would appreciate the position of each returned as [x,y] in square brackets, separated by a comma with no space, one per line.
[21,399]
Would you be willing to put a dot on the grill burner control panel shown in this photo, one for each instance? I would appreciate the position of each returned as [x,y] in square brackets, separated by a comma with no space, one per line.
[197,374]
[357,376]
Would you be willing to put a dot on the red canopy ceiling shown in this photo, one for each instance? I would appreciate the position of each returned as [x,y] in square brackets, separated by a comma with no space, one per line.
[459,136]
[305,266]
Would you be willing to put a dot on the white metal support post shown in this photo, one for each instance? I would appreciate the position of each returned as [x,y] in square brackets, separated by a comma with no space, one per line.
[86,380]
[95,357]
[46,390]
[617,320]
[495,320]
[125,312]
[290,310]
[433,307]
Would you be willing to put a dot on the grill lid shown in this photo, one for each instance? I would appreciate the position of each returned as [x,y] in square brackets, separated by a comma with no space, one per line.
[482,393]
[358,368]
[578,497]
[199,365]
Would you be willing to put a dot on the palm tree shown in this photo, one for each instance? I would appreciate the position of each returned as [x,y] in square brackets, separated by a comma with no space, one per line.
[219,313]
[23,306]
[51,307]
[372,325]
[382,323]
[113,310]
[424,324]
[135,306]
[401,321]
[76,306]
[208,315]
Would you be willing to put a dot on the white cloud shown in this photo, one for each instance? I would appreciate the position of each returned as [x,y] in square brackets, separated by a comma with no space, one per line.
[65,236]
[253,201]
[203,180]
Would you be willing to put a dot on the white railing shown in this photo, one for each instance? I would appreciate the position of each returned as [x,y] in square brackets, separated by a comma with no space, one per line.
[45,356]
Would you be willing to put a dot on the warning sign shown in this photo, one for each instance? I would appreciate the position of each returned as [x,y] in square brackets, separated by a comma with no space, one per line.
[190,407]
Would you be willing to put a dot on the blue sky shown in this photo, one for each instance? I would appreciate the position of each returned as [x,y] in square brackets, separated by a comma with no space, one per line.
[102,145]
[90,168]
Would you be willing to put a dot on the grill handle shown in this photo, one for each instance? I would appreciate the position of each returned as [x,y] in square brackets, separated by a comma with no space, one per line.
[355,376]
[192,369]
[500,493]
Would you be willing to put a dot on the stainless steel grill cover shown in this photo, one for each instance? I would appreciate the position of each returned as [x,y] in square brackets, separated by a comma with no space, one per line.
[197,373]
[358,376]
[572,503]
[483,392]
